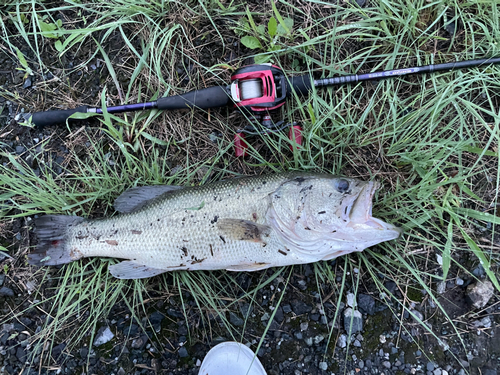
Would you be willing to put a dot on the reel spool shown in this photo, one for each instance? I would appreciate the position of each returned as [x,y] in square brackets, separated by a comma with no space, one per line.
[258,87]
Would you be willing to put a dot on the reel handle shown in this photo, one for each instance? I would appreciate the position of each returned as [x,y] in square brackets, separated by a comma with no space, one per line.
[240,145]
[295,135]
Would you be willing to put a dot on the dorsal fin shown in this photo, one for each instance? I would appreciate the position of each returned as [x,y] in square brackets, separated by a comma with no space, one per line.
[136,198]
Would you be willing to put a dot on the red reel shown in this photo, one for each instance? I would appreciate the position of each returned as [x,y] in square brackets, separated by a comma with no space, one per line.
[258,87]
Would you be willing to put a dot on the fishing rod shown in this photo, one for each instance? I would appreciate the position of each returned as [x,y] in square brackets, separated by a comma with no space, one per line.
[256,89]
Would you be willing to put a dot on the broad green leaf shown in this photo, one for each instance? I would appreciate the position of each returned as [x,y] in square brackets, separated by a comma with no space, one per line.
[272,26]
[22,59]
[251,42]
[58,45]
[261,30]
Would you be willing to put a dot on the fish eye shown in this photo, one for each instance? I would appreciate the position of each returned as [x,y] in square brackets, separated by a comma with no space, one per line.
[342,185]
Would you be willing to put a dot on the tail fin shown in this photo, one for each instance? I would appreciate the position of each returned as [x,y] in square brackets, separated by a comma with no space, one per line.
[51,232]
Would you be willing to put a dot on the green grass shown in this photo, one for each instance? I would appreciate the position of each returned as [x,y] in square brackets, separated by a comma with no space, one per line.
[431,140]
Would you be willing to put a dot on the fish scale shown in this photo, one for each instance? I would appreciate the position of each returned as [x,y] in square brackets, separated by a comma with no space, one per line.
[240,224]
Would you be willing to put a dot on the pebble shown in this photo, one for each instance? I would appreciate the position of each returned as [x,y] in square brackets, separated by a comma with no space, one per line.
[366,304]
[437,371]
[303,326]
[264,317]
[441,287]
[198,363]
[459,281]
[300,308]
[353,321]
[342,341]
[2,278]
[430,366]
[4,291]
[386,364]
[27,83]
[485,322]
[318,339]
[417,316]
[351,300]
[357,344]
[323,366]
[235,320]
[480,293]
[309,341]
[183,353]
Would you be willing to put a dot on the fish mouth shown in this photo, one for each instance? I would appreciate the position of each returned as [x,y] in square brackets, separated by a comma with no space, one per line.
[358,212]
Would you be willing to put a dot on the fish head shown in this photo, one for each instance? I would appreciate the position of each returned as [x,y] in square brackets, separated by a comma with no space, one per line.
[326,216]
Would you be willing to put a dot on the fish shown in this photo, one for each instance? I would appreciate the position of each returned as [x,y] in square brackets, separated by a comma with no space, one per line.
[239,224]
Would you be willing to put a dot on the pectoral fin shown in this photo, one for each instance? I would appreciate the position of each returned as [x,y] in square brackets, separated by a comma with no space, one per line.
[243,230]
[131,270]
[134,199]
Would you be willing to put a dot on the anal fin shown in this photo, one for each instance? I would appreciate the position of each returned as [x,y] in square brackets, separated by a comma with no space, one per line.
[248,267]
[130,270]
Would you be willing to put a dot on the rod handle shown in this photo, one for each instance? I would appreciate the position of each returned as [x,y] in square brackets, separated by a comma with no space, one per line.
[211,97]
[301,84]
[47,118]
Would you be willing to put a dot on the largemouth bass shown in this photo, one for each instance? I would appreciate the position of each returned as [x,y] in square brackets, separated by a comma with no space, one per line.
[241,224]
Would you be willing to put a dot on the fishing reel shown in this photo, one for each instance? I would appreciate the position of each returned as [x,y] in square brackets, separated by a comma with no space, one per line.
[256,90]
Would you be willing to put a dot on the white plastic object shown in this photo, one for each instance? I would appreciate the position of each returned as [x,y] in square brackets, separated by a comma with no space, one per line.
[231,358]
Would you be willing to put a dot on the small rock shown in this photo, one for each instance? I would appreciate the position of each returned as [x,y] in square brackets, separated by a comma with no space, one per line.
[480,293]
[361,365]
[366,304]
[323,366]
[235,320]
[298,335]
[4,291]
[361,3]
[300,308]
[441,287]
[287,309]
[309,341]
[198,362]
[183,353]
[357,344]
[140,342]
[437,371]
[479,271]
[353,321]
[459,281]
[342,341]
[430,366]
[103,336]
[485,322]
[20,149]
[351,300]
[121,371]
[264,317]
[2,278]
[303,326]
[417,316]
[382,339]
[386,364]
[27,83]
[317,339]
